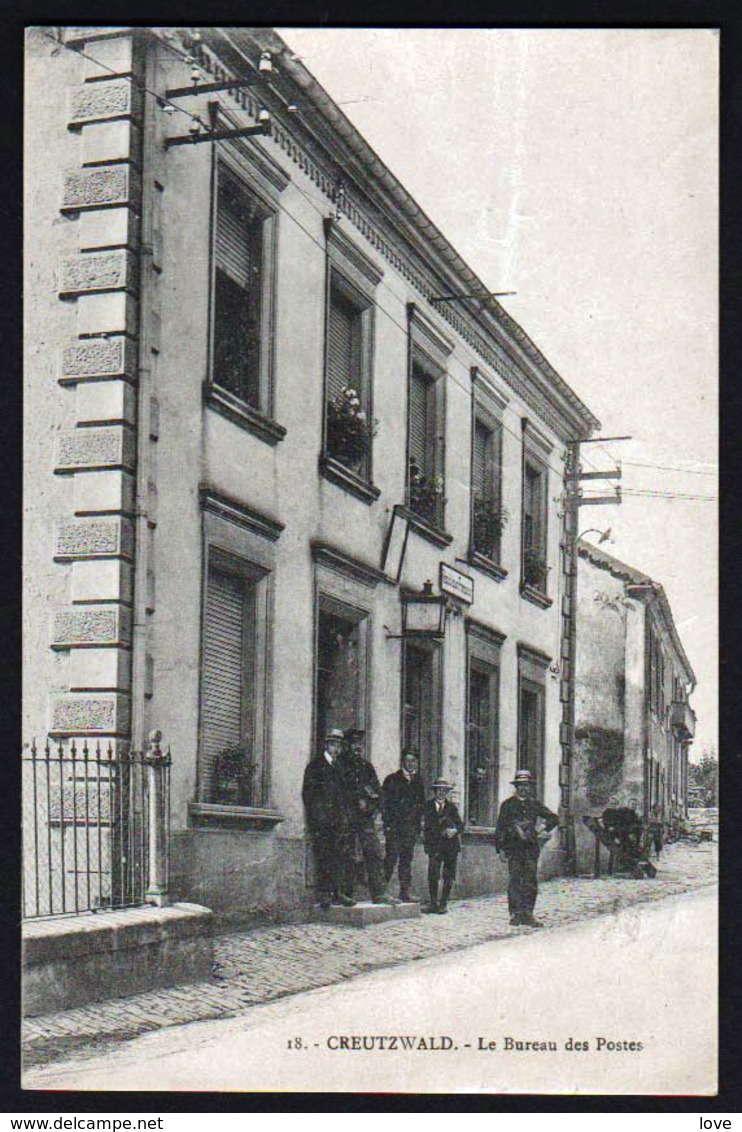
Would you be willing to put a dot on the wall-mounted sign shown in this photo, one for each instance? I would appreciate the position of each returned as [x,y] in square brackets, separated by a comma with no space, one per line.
[392,557]
[456,584]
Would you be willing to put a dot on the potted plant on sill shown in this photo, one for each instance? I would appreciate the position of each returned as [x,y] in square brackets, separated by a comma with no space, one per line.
[535,570]
[233,777]
[426,496]
[349,431]
[488,521]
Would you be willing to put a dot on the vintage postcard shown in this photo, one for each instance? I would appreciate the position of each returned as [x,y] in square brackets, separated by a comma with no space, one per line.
[369,735]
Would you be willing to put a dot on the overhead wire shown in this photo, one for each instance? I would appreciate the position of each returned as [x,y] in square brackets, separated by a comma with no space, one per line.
[162,101]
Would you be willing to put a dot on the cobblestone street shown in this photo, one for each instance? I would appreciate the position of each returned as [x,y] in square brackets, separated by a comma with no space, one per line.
[263,964]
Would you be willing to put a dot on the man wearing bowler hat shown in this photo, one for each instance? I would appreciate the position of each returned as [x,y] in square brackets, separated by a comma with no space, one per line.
[521,825]
[442,829]
[329,824]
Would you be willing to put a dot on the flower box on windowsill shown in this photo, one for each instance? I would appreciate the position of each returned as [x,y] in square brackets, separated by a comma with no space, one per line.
[425,530]
[487,566]
[242,414]
[246,817]
[535,596]
[351,481]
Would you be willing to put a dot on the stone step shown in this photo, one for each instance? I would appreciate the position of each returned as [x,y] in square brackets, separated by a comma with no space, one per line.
[364,913]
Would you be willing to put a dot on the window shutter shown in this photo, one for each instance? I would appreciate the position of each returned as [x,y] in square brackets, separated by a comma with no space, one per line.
[339,347]
[223,674]
[481,483]
[419,422]
[233,238]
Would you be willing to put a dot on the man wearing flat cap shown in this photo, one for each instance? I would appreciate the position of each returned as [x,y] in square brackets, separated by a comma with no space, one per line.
[522,824]
[328,822]
[442,829]
[363,801]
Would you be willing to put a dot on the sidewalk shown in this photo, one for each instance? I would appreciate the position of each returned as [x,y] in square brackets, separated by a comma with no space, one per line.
[264,964]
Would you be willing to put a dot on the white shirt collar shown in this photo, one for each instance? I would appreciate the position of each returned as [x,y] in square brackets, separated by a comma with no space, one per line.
[329,758]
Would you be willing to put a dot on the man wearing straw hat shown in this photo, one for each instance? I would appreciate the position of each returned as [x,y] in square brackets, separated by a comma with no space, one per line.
[522,824]
[442,829]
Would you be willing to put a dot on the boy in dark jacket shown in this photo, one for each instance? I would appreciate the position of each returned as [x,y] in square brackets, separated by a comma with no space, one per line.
[442,829]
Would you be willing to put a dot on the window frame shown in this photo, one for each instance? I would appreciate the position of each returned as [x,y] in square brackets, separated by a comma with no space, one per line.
[429,352]
[431,757]
[532,669]
[483,654]
[487,410]
[355,277]
[535,457]
[260,186]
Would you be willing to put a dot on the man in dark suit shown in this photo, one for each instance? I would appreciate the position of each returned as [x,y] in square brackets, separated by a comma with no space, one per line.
[363,800]
[329,824]
[404,801]
[442,829]
[521,825]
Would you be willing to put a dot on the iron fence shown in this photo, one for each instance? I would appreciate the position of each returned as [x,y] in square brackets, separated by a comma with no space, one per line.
[88,817]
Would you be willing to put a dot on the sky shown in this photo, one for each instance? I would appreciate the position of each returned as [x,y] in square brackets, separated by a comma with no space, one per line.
[578,168]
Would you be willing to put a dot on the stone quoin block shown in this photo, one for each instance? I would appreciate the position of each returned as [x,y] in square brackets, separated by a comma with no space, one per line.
[111,57]
[77,713]
[100,669]
[99,402]
[78,628]
[102,579]
[100,492]
[114,312]
[108,228]
[100,188]
[101,357]
[94,538]
[97,271]
[107,142]
[94,102]
[110,447]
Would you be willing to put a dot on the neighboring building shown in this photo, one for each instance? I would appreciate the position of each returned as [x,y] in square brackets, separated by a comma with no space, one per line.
[633,723]
[235,374]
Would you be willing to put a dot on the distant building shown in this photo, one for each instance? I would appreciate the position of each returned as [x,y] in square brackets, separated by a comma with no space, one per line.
[236,376]
[633,722]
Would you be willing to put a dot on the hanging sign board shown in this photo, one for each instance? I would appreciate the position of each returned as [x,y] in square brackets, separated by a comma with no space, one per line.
[456,584]
[395,545]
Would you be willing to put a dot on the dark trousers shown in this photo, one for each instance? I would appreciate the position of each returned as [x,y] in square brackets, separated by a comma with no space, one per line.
[400,847]
[333,864]
[373,857]
[436,863]
[523,884]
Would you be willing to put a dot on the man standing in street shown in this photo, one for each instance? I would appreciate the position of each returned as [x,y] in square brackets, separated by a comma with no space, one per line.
[329,824]
[442,829]
[363,799]
[404,801]
[518,841]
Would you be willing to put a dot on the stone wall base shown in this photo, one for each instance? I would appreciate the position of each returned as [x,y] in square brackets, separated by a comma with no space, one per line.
[72,960]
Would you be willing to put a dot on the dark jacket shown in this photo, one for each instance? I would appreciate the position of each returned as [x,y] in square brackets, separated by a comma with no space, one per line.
[324,798]
[361,787]
[434,829]
[403,803]
[515,832]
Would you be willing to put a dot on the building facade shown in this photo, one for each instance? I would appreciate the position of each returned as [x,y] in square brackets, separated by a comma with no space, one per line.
[634,724]
[254,432]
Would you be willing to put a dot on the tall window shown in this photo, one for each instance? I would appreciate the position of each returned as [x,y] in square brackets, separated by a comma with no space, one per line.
[422,705]
[349,426]
[338,673]
[535,572]
[482,752]
[487,518]
[230,747]
[243,248]
[425,481]
[532,669]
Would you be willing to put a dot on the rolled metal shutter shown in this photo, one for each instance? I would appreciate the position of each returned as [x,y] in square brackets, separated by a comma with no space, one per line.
[339,346]
[482,438]
[420,450]
[233,237]
[223,671]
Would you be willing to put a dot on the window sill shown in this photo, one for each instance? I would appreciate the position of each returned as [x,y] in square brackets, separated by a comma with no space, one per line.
[425,530]
[343,477]
[247,817]
[487,566]
[535,596]
[237,411]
